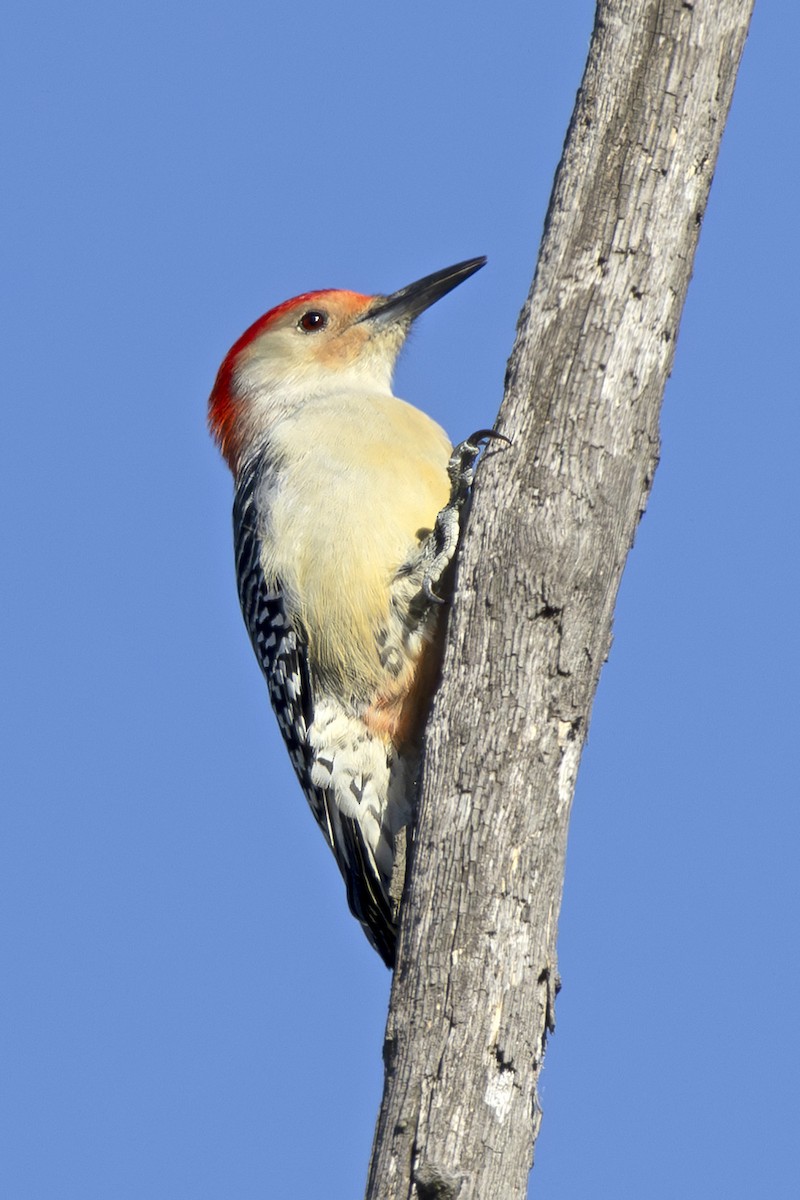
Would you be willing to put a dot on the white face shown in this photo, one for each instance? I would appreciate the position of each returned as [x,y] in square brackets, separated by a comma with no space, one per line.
[319,346]
[322,344]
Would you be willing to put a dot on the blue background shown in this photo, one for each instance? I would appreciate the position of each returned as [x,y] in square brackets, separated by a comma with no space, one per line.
[188,1012]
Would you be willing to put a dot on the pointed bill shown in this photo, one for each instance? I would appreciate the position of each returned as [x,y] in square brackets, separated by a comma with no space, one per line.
[406,304]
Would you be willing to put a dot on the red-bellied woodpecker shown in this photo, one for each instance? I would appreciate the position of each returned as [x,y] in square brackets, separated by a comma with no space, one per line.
[346,518]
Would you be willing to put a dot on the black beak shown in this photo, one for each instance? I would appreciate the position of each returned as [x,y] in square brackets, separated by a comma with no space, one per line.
[410,301]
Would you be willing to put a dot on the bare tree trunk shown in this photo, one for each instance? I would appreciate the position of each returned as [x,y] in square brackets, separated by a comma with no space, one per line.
[552,522]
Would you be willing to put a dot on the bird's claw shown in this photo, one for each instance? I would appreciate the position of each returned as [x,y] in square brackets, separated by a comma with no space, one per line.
[461,470]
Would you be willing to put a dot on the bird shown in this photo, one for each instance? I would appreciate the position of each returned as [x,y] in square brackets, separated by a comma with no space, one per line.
[347,512]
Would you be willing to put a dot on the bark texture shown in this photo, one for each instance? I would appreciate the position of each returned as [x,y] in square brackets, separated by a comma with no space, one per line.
[552,522]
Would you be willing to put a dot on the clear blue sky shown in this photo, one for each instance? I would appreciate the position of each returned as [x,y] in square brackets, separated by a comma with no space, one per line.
[188,1012]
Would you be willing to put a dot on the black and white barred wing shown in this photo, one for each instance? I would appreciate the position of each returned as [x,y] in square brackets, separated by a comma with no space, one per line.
[280,648]
[277,643]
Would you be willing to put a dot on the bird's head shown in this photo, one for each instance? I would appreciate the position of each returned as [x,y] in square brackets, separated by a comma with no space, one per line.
[314,345]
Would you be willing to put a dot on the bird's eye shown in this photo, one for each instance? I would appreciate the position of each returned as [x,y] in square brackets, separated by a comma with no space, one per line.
[313,321]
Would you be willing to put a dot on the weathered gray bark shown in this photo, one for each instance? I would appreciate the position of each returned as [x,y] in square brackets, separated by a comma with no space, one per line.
[552,522]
